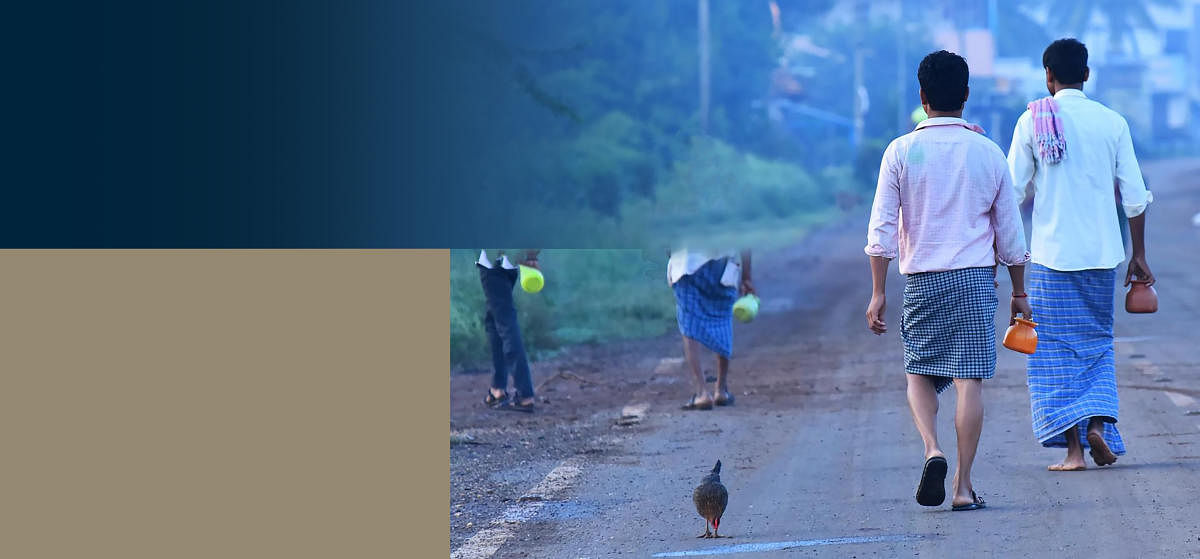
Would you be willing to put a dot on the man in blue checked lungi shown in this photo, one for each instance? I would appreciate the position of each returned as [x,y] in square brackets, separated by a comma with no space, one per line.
[706,285]
[1074,150]
[944,205]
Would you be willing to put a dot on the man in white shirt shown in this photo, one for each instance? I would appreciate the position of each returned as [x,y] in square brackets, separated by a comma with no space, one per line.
[1073,150]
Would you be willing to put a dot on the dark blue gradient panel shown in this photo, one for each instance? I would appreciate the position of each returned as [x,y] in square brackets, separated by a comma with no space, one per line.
[220,124]
[295,124]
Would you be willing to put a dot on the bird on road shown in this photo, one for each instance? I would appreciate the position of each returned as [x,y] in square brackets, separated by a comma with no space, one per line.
[710,498]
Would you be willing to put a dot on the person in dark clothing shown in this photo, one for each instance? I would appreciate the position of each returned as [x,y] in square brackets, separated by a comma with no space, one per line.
[504,333]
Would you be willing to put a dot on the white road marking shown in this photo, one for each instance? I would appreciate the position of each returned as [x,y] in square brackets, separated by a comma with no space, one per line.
[666,364]
[635,411]
[1180,400]
[487,542]
[1131,339]
[776,546]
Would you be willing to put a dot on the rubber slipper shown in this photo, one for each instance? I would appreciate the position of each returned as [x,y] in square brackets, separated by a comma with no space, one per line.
[692,405]
[1099,450]
[493,401]
[517,406]
[975,505]
[724,399]
[931,492]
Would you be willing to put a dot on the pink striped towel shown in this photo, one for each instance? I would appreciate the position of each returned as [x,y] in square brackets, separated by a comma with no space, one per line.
[1047,130]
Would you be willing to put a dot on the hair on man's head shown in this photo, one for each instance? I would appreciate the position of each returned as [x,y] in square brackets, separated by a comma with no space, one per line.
[1067,58]
[943,76]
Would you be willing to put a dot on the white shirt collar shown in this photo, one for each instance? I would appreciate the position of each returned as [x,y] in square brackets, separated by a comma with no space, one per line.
[941,121]
[1069,93]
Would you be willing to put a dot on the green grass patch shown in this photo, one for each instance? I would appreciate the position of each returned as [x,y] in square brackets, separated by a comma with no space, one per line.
[590,296]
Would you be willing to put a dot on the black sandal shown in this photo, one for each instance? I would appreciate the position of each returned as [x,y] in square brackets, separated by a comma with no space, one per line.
[493,401]
[975,504]
[931,491]
[514,405]
[724,399]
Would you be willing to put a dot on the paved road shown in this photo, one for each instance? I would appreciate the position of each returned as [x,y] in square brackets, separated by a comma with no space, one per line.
[821,457]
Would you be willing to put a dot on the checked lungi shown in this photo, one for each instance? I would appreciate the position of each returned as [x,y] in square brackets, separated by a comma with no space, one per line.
[704,307]
[948,325]
[1071,375]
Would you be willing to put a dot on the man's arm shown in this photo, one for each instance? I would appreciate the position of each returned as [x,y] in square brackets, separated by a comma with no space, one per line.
[1134,200]
[1020,301]
[882,236]
[1022,164]
[1137,262]
[883,228]
[1130,184]
[746,287]
[531,257]
[1006,221]
[879,268]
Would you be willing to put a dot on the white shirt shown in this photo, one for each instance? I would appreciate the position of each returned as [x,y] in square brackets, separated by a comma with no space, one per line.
[1074,203]
[487,263]
[685,262]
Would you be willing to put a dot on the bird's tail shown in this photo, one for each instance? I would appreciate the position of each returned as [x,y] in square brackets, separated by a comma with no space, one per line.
[717,468]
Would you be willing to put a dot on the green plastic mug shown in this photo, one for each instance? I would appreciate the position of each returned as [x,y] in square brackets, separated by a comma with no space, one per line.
[532,280]
[918,115]
[746,308]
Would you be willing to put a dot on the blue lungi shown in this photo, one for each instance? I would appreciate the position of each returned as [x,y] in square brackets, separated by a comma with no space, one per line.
[704,307]
[1071,375]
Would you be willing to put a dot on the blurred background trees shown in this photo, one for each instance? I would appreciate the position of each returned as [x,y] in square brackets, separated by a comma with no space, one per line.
[599,129]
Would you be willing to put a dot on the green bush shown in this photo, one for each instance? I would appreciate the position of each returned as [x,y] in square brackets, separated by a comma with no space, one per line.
[716,197]
[720,192]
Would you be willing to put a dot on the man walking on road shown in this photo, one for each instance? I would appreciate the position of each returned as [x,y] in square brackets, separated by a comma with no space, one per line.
[1074,149]
[960,219]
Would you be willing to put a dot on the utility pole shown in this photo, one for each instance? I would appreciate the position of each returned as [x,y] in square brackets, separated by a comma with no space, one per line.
[902,111]
[862,10]
[993,25]
[858,101]
[702,17]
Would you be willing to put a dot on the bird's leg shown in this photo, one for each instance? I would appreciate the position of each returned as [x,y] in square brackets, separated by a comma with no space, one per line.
[716,528]
[707,533]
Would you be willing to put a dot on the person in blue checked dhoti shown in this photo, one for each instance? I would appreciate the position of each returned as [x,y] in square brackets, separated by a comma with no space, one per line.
[706,285]
[1073,150]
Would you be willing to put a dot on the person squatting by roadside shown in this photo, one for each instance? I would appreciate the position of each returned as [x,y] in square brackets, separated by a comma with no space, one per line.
[706,285]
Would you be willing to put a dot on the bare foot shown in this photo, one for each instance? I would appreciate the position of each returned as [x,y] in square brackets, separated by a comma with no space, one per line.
[1100,451]
[962,495]
[960,500]
[1067,466]
[700,402]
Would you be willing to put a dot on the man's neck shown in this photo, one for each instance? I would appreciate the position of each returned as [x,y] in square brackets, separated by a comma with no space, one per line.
[945,114]
[1061,86]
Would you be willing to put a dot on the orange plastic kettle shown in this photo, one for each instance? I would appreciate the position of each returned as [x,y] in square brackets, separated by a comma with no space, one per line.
[1021,337]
